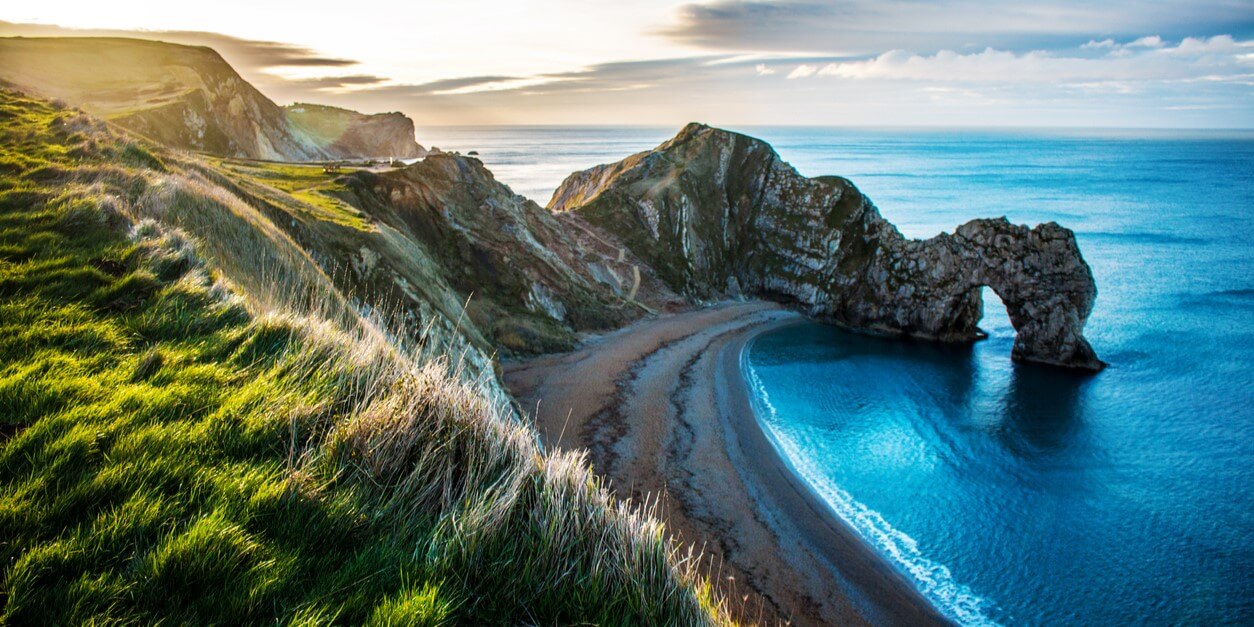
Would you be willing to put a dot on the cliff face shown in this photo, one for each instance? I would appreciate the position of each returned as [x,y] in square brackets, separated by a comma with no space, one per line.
[188,98]
[719,214]
[349,134]
[528,284]
[443,247]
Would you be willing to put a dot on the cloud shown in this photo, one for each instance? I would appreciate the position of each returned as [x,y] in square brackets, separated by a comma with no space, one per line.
[245,54]
[1144,59]
[454,85]
[873,26]
[1105,43]
[337,83]
[936,65]
[1152,41]
[1133,80]
[802,71]
[1149,41]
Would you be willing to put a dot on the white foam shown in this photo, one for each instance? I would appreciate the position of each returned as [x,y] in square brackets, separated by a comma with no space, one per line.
[934,580]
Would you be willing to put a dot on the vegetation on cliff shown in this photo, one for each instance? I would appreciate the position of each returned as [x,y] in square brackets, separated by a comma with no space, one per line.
[197,424]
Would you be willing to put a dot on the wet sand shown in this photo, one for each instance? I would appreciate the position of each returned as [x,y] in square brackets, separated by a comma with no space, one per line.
[665,412]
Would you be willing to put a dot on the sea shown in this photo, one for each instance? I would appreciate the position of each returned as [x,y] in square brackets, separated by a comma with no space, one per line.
[1014,493]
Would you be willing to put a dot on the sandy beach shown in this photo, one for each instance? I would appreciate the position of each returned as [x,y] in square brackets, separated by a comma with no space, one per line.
[665,413]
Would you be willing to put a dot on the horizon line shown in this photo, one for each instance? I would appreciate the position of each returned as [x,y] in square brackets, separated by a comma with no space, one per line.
[935,127]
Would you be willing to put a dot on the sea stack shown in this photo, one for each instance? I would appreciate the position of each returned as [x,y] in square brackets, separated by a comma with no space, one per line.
[718,214]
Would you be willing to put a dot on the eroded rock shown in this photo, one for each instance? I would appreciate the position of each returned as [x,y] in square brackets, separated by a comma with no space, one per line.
[718,214]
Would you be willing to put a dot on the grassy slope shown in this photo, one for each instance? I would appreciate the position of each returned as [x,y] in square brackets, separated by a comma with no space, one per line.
[186,97]
[307,183]
[178,445]
[115,77]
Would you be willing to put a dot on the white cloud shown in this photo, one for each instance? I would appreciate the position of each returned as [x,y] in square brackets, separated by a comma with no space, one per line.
[497,85]
[1219,44]
[1152,41]
[763,70]
[1144,59]
[803,71]
[1105,43]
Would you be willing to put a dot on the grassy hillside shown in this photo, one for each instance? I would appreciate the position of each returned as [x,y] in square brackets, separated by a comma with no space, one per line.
[113,77]
[197,425]
[189,97]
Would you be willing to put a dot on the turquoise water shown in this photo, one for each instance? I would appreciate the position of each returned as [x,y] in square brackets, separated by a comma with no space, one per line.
[1012,493]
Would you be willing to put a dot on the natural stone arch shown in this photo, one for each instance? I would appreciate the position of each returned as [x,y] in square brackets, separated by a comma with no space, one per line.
[1041,278]
[932,288]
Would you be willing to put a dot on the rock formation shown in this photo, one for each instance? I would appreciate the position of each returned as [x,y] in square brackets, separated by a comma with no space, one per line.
[349,134]
[189,98]
[530,281]
[719,214]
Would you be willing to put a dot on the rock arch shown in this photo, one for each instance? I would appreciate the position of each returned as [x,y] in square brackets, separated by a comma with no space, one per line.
[932,288]
[1042,279]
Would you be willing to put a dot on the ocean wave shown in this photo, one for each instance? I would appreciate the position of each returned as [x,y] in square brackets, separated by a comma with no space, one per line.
[934,580]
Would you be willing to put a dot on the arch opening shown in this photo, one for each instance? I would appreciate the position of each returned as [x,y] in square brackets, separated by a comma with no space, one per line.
[994,320]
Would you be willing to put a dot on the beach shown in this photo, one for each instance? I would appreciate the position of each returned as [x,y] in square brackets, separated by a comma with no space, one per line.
[664,410]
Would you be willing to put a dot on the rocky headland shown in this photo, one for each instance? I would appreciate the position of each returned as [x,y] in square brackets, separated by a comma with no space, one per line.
[347,134]
[718,214]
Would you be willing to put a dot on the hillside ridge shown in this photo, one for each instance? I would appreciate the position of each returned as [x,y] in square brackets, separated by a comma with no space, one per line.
[189,97]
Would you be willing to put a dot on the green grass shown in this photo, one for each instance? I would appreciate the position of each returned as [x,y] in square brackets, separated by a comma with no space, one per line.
[177,445]
[315,188]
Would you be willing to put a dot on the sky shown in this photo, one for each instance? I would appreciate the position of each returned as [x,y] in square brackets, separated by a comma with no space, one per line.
[1069,63]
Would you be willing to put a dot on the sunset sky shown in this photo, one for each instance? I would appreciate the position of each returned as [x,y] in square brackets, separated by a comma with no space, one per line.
[743,62]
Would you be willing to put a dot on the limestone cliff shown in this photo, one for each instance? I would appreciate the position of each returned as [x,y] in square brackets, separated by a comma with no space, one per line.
[189,98]
[529,283]
[349,134]
[719,214]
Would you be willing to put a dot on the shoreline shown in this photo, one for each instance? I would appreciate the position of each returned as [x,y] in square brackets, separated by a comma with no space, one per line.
[847,549]
[665,411]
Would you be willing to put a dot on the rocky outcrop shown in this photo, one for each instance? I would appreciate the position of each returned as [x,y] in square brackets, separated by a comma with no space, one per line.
[189,98]
[348,134]
[719,214]
[527,281]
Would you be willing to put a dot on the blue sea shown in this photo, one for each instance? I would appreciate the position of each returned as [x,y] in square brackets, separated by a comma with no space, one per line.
[1021,494]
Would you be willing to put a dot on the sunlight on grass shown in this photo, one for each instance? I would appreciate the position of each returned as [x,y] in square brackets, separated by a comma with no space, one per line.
[308,183]
[196,428]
